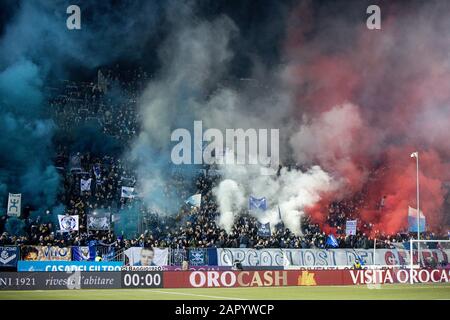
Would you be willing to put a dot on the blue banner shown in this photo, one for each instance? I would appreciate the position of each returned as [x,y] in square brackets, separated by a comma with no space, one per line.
[9,256]
[197,257]
[257,204]
[69,266]
[332,242]
[83,253]
[263,229]
[412,222]
[212,256]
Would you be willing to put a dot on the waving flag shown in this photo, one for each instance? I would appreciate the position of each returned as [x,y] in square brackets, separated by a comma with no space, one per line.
[412,220]
[97,171]
[127,192]
[195,200]
[332,242]
[257,204]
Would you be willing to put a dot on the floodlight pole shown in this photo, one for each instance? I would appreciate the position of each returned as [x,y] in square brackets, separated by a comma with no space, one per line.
[418,208]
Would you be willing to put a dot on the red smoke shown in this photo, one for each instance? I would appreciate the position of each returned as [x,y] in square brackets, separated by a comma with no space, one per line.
[389,93]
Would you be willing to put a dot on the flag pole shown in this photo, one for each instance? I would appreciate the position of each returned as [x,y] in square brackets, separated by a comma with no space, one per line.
[374,250]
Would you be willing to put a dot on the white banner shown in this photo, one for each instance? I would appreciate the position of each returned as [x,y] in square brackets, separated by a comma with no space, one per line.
[139,256]
[195,200]
[68,223]
[14,204]
[127,192]
[98,221]
[85,185]
[322,257]
[350,227]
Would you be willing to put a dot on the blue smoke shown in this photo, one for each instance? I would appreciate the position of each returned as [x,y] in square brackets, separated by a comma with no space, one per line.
[36,46]
[25,137]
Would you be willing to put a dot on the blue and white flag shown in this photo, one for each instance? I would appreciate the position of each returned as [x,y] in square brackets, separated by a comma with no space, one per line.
[197,257]
[332,242]
[14,204]
[195,200]
[85,184]
[412,220]
[361,260]
[68,223]
[263,229]
[128,192]
[97,171]
[108,253]
[98,221]
[9,256]
[257,203]
[85,253]
[350,228]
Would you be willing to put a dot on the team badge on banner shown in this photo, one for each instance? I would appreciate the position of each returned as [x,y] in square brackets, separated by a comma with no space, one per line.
[68,223]
[14,204]
[9,256]
[84,253]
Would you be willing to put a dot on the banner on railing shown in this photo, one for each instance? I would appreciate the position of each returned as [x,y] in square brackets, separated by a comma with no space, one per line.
[83,253]
[141,256]
[9,256]
[197,257]
[44,253]
[69,266]
[323,257]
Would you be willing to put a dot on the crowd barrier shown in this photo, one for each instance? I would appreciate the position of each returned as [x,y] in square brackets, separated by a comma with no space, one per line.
[31,258]
[215,279]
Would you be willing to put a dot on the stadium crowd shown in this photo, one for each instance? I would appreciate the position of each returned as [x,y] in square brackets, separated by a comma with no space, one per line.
[78,104]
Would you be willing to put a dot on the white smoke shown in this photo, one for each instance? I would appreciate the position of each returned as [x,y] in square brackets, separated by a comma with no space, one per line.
[287,194]
[230,197]
[195,59]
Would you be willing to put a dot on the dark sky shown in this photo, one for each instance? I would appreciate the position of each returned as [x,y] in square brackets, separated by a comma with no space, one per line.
[261,23]
[261,26]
